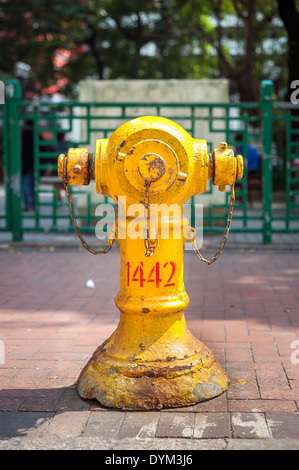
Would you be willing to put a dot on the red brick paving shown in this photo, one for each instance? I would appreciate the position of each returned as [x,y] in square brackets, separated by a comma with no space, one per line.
[245,307]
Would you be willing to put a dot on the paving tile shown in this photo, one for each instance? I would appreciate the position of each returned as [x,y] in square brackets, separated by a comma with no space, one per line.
[10,403]
[68,424]
[283,425]
[139,424]
[273,382]
[175,425]
[261,405]
[238,354]
[41,400]
[19,424]
[5,376]
[212,330]
[212,426]
[249,426]
[243,383]
[216,404]
[27,378]
[104,423]
[66,368]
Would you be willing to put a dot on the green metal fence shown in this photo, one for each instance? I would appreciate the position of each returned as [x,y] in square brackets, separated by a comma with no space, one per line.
[272,128]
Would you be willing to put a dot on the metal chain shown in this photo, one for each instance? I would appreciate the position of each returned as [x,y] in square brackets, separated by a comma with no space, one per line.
[77,229]
[150,248]
[225,236]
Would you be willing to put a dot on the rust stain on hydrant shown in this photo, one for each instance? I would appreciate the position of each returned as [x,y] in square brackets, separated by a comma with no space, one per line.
[152,361]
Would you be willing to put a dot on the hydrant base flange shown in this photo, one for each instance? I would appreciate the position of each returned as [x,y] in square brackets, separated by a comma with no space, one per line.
[155,385]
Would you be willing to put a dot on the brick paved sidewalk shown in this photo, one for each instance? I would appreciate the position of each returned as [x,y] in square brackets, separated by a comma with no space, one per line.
[245,308]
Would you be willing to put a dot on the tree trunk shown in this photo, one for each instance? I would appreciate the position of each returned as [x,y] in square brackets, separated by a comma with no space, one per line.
[91,41]
[241,75]
[248,87]
[290,18]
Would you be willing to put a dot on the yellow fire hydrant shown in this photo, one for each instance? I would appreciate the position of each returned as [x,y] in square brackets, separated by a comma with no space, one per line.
[151,361]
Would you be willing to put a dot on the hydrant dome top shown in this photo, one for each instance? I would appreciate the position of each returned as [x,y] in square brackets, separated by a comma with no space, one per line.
[150,127]
[149,150]
[144,122]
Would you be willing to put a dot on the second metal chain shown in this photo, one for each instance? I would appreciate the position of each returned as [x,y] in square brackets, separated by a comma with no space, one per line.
[76,226]
[225,236]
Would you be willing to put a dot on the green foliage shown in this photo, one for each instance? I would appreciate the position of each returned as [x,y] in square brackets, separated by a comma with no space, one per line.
[133,39]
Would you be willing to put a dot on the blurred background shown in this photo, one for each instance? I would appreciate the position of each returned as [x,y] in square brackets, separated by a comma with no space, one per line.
[51,46]
[70,58]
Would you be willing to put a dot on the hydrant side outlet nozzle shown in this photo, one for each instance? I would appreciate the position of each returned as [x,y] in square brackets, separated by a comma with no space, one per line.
[152,361]
[225,167]
[75,167]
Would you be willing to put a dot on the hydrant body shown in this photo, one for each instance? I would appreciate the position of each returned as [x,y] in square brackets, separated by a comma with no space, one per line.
[151,361]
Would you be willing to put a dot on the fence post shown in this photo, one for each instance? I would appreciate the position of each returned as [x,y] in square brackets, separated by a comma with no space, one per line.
[13,92]
[266,98]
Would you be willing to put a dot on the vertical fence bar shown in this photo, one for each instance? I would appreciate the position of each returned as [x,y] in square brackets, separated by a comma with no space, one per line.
[13,158]
[36,168]
[245,179]
[6,168]
[266,97]
[288,166]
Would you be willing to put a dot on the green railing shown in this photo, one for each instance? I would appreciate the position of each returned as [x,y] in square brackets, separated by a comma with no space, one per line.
[255,123]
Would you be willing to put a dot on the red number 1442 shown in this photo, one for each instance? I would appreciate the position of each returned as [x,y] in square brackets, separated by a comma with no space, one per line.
[161,275]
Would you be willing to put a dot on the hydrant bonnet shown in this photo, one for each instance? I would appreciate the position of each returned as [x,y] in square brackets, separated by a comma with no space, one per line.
[155,150]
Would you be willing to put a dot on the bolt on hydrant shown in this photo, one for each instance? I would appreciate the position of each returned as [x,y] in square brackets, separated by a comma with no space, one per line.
[151,361]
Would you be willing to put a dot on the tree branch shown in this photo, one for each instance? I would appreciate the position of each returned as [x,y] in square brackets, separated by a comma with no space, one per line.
[219,43]
[91,41]
[238,10]
[124,31]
